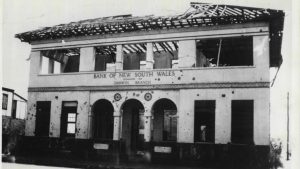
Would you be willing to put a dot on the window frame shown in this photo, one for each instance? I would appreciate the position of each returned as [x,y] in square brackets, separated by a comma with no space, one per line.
[65,111]
[4,101]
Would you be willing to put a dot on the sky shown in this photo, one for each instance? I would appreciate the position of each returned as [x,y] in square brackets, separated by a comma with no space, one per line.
[25,15]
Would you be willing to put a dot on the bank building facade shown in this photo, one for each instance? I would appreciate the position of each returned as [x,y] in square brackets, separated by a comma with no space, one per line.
[193,87]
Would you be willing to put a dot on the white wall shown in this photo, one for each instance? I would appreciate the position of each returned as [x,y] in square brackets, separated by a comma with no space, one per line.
[261,97]
[56,105]
[184,100]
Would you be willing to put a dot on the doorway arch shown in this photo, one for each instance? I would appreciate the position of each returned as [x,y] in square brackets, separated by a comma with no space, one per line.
[133,125]
[103,121]
[164,120]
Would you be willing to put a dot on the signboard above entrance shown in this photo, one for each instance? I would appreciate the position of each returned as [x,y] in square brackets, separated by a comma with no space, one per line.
[135,78]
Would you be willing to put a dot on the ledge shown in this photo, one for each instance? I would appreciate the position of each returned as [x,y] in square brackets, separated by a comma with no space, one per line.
[153,87]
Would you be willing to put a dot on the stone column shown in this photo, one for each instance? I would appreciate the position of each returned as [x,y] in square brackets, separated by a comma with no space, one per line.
[117,127]
[35,66]
[87,59]
[119,58]
[149,56]
[187,54]
[147,124]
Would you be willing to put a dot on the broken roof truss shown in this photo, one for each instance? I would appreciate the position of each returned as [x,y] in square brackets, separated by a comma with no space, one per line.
[199,15]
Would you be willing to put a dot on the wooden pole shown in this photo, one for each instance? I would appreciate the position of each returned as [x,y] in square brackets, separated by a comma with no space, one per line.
[288,129]
[219,51]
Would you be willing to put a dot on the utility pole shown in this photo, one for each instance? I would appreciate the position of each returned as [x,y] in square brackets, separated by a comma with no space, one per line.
[288,129]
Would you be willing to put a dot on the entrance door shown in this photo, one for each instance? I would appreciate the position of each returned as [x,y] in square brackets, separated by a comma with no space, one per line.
[103,120]
[133,126]
[42,118]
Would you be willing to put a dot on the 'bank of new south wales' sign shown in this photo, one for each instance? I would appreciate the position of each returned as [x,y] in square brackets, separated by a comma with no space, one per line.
[134,78]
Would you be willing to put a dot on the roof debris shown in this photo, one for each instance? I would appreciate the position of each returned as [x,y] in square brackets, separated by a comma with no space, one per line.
[198,15]
[201,14]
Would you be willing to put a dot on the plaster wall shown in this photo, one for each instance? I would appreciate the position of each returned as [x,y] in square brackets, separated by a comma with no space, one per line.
[223,97]
[87,59]
[56,99]
[184,100]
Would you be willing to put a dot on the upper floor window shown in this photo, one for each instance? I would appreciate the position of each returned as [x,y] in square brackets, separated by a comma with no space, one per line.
[60,61]
[233,51]
[104,55]
[4,101]
[164,54]
[133,55]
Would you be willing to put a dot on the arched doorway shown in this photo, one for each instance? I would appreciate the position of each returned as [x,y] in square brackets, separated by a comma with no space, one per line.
[103,121]
[165,120]
[133,125]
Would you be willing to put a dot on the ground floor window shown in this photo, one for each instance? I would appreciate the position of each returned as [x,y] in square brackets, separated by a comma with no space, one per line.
[204,125]
[242,121]
[42,121]
[4,101]
[68,119]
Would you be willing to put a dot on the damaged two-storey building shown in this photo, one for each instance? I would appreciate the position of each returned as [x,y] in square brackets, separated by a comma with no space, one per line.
[193,87]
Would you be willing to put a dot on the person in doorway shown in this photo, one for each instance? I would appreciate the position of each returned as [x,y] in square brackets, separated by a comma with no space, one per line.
[203,132]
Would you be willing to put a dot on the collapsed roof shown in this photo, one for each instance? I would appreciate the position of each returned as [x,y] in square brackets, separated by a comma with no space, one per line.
[200,15]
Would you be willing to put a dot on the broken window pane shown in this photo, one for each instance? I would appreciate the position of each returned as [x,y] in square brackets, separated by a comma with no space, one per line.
[133,55]
[68,59]
[68,119]
[204,126]
[103,56]
[164,54]
[233,51]
[71,117]
[242,121]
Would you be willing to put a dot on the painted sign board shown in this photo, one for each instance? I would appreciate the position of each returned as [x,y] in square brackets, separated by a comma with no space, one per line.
[159,149]
[99,146]
[134,78]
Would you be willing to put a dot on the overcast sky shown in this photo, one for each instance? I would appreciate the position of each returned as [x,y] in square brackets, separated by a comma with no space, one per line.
[24,15]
